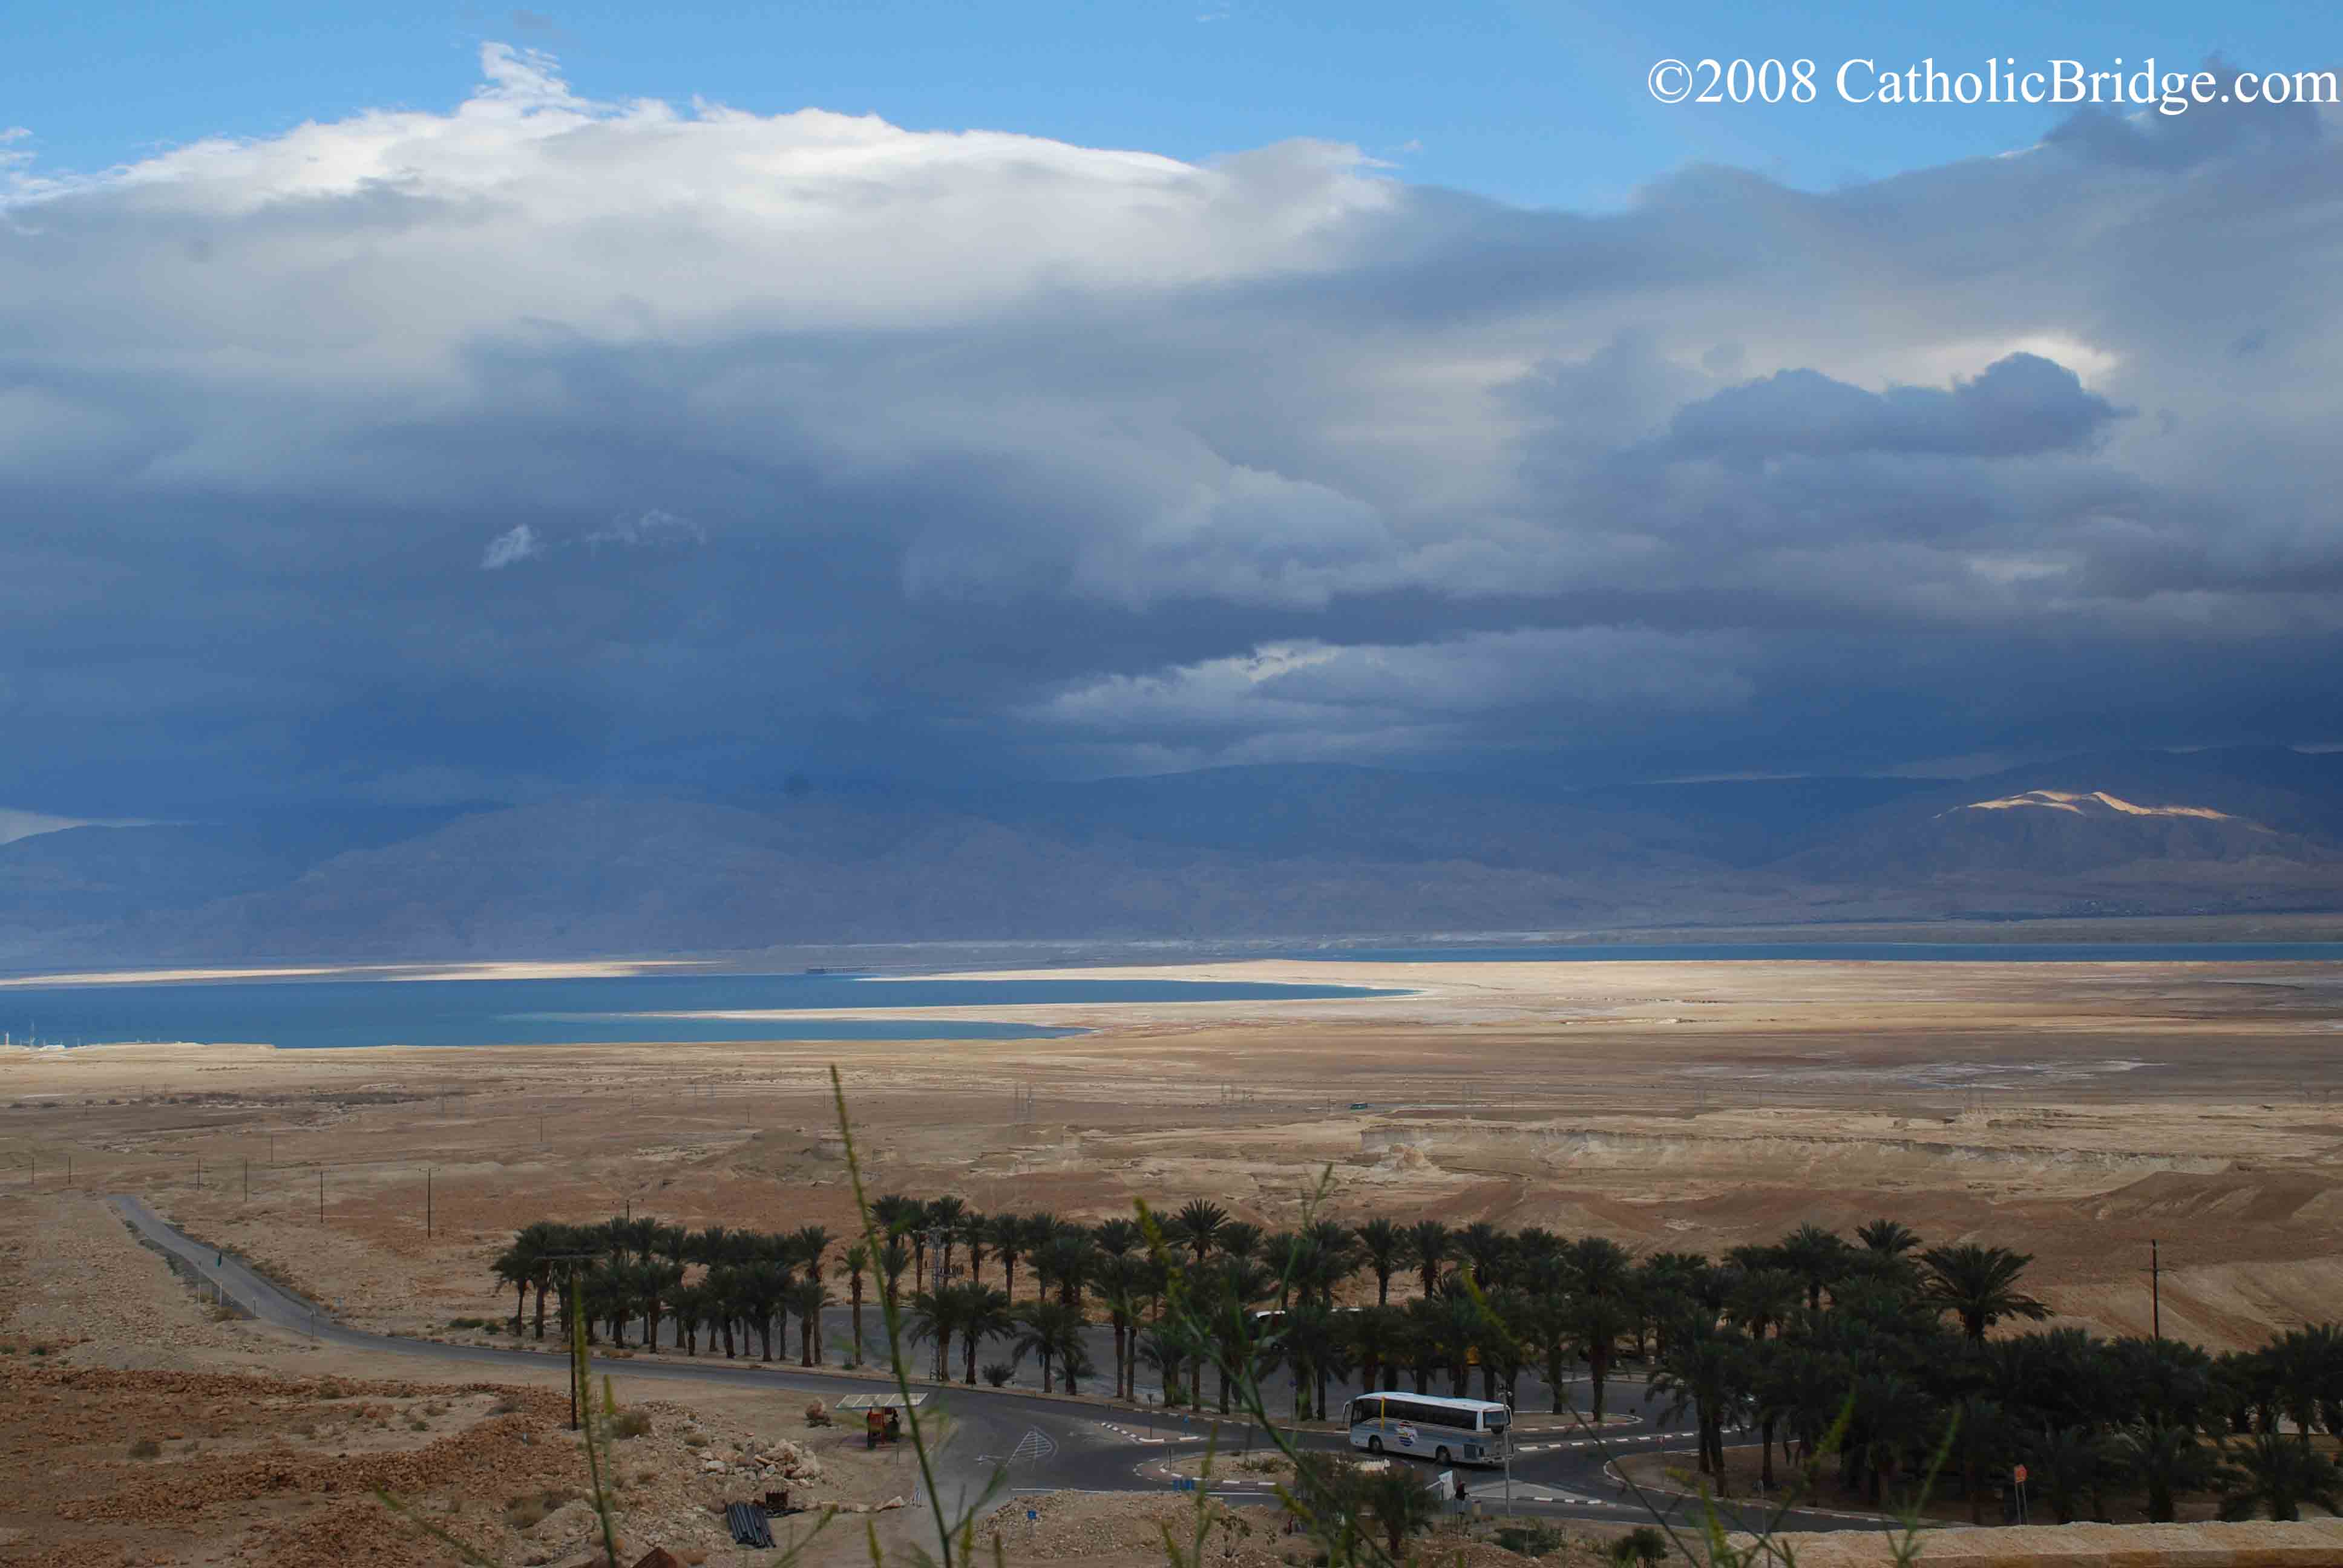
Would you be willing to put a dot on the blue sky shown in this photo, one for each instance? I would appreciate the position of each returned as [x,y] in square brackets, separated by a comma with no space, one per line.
[1540,104]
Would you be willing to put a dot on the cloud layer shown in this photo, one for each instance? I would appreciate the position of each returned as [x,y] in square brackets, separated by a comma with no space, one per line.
[547,445]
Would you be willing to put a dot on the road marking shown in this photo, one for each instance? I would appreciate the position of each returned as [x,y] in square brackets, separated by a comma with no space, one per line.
[1035,1446]
[1141,1437]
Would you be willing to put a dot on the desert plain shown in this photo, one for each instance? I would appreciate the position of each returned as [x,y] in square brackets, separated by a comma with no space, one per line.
[2079,1112]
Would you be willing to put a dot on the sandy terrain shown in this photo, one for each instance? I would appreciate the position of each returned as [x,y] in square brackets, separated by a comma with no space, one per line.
[266,1448]
[2074,1110]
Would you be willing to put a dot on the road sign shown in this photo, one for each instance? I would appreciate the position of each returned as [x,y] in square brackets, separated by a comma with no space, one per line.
[2018,1475]
[1471,1355]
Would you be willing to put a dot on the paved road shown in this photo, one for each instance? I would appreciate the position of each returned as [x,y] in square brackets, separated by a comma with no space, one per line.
[1014,1441]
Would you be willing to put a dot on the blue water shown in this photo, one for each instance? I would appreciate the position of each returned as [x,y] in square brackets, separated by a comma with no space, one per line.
[1843,952]
[314,1014]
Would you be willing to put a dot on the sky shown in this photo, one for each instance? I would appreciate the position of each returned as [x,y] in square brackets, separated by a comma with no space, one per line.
[409,409]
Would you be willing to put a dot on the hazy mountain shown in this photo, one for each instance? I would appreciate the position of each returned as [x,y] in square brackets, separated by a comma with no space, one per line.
[1227,853]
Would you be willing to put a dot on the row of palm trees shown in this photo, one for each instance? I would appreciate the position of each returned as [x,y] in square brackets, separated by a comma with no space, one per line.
[1877,1355]
[1875,1352]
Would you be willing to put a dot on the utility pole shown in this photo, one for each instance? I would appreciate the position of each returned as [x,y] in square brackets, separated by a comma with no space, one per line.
[2156,1288]
[321,1194]
[426,1200]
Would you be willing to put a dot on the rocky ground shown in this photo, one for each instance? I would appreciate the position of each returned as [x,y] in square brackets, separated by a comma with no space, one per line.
[140,1424]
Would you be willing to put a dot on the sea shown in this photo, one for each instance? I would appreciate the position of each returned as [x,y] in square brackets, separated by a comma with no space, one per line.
[332,1012]
[314,1014]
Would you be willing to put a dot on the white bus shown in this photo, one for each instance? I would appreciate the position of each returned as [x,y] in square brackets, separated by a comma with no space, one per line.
[1446,1431]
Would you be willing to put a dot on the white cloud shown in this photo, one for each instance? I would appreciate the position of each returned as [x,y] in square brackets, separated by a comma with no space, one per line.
[909,433]
[515,543]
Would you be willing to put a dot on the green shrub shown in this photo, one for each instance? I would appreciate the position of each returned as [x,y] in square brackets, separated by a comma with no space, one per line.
[1642,1544]
[629,1423]
[145,1447]
[997,1372]
[1530,1540]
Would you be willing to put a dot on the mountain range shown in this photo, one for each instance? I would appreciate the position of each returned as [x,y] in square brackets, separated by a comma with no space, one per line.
[1289,850]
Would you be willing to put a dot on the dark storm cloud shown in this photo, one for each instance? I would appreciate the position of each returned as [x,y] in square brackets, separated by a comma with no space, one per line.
[2019,405]
[545,445]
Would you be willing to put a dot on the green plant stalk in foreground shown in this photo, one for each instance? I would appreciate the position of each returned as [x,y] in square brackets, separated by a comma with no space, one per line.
[950,1531]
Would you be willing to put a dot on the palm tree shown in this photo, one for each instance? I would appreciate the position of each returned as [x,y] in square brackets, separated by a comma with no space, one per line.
[1165,1347]
[1427,1243]
[538,1243]
[2280,1475]
[853,1265]
[1315,1349]
[765,1286]
[1070,1262]
[656,1285]
[936,1316]
[2066,1463]
[1052,1332]
[1817,1256]
[1978,1284]
[2165,1460]
[984,1315]
[1764,1300]
[1547,1323]
[1197,1225]
[1377,1335]
[894,1261]
[1484,1247]
[1596,1321]
[1006,1235]
[1239,1240]
[807,1297]
[1385,1246]
[975,1231]
[895,1214]
[1890,1237]
[686,1306]
[1039,1231]
[1118,1286]
[809,1247]
[1706,1372]
[942,1222]
[515,1266]
[1427,1339]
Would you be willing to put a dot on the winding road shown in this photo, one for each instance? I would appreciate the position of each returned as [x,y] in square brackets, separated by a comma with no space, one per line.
[1036,1443]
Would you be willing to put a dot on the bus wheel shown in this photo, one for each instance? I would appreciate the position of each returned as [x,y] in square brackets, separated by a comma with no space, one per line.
[1441,1454]
[1374,1446]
